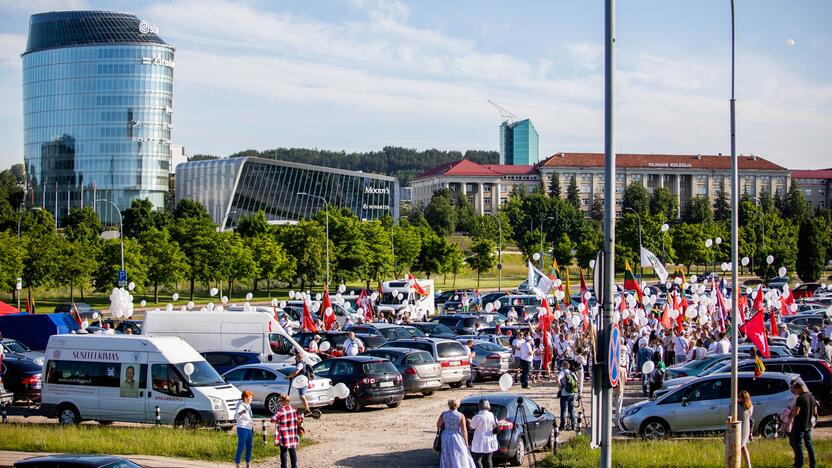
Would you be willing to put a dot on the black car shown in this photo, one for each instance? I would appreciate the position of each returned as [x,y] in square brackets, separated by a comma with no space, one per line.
[224,361]
[435,330]
[23,377]
[85,310]
[492,296]
[461,324]
[371,380]
[520,432]
[387,330]
[76,461]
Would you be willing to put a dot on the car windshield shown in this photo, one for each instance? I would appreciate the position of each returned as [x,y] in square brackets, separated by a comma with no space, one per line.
[16,347]
[203,375]
[450,349]
[379,367]
[394,333]
[414,331]
[439,328]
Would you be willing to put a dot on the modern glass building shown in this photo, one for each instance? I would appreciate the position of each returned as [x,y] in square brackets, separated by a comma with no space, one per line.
[97,97]
[519,143]
[235,187]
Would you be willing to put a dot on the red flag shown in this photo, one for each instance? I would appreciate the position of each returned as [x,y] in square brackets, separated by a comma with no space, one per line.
[786,301]
[327,311]
[665,321]
[758,301]
[77,315]
[308,324]
[545,323]
[773,320]
[742,305]
[416,286]
[364,303]
[755,330]
[583,284]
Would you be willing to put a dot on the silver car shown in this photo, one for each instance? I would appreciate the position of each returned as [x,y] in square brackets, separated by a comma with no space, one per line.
[269,380]
[704,404]
[490,360]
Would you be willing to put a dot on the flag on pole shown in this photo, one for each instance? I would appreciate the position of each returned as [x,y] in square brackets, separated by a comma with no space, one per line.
[755,330]
[326,309]
[537,281]
[365,303]
[554,273]
[759,367]
[786,302]
[308,324]
[649,259]
[77,315]
[567,300]
[773,322]
[415,286]
[30,303]
[630,281]
[546,322]
[666,321]
[584,300]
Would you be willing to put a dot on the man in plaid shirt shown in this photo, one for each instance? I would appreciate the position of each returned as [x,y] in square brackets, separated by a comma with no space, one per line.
[287,431]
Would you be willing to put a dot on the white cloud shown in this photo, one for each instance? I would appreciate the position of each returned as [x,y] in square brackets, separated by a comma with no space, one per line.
[11,46]
[35,6]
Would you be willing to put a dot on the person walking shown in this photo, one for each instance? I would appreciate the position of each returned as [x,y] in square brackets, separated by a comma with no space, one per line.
[287,431]
[568,382]
[245,432]
[301,368]
[485,441]
[745,410]
[526,357]
[469,347]
[454,453]
[805,407]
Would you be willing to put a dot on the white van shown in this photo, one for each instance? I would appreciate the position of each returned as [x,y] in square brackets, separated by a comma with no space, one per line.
[251,332]
[125,378]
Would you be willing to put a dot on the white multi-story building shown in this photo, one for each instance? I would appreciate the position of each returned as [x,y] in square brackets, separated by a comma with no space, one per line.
[816,185]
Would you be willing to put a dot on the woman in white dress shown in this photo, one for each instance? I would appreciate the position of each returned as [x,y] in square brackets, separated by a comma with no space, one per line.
[485,441]
[745,409]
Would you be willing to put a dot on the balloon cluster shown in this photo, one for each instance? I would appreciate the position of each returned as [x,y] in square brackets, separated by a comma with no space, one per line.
[121,303]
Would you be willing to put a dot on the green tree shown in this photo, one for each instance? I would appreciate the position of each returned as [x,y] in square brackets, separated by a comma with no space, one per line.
[140,217]
[190,209]
[572,194]
[109,262]
[454,261]
[252,226]
[379,259]
[76,262]
[466,217]
[796,207]
[722,208]
[636,198]
[811,246]
[11,260]
[596,211]
[37,223]
[689,244]
[197,239]
[440,213]
[554,185]
[663,201]
[305,242]
[82,224]
[766,202]
[562,250]
[348,249]
[408,244]
[39,264]
[481,258]
[272,261]
[780,242]
[166,263]
[234,260]
[699,210]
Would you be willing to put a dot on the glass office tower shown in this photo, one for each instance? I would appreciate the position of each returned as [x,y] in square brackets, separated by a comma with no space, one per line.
[234,187]
[519,143]
[97,97]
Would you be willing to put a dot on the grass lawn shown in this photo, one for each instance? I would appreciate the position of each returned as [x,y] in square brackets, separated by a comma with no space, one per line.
[205,445]
[694,453]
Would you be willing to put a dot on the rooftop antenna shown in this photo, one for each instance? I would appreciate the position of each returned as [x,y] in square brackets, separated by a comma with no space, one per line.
[505,114]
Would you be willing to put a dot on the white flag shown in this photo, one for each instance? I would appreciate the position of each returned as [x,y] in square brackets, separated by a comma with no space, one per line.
[539,281]
[649,259]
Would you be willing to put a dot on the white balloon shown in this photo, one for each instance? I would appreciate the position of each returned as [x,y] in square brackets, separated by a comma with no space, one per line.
[399,296]
[497,304]
[791,341]
[626,314]
[282,304]
[183,309]
[793,308]
[691,312]
[506,381]
[557,283]
[352,293]
[592,263]
[718,240]
[694,279]
[536,256]
[790,42]
[224,299]
[291,294]
[748,290]
[143,303]
[300,382]
[342,289]
[724,266]
[374,296]
[190,305]
[169,307]
[677,280]
[770,259]
[560,295]
[221,308]
[175,297]
[84,324]
[581,307]
[703,319]
[708,243]
[616,316]
[781,271]
[213,292]
[576,320]
[489,307]
[347,305]
[325,346]
[557,313]
[131,286]
[188,368]
[587,295]
[745,261]
[204,309]
[341,391]
[210,306]
[648,366]
[318,296]
[828,311]
[249,296]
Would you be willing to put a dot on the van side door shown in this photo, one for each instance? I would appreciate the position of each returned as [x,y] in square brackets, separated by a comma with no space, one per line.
[125,402]
[168,391]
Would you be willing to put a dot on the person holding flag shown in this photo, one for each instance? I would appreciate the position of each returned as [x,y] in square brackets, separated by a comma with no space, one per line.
[327,312]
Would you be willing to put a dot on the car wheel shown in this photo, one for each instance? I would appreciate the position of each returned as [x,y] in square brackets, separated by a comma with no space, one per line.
[428,393]
[455,384]
[394,405]
[187,419]
[519,453]
[352,403]
[68,415]
[273,403]
[550,442]
[654,429]
[768,428]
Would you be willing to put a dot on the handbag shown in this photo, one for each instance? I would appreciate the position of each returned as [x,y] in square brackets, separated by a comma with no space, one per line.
[437,441]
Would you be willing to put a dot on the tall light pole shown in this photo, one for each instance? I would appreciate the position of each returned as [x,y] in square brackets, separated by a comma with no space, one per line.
[120,227]
[640,266]
[499,252]
[304,194]
[733,429]
[664,229]
[542,237]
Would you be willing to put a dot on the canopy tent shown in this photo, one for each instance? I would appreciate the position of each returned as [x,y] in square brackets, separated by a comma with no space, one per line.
[34,330]
[6,309]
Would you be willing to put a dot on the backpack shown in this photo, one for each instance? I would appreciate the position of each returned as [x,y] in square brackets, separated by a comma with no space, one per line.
[307,371]
[570,383]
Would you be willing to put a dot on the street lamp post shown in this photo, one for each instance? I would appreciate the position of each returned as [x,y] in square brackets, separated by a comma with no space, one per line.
[664,229]
[120,227]
[499,252]
[641,267]
[304,194]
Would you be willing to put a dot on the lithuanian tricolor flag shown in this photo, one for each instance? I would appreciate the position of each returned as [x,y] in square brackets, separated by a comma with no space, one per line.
[630,281]
[554,273]
[759,367]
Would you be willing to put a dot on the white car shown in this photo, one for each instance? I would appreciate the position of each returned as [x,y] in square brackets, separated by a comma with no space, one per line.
[268,381]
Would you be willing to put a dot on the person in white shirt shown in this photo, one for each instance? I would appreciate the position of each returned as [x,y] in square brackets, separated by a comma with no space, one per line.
[313,345]
[526,357]
[485,441]
[723,346]
[348,323]
[680,347]
[697,352]
[352,345]
[245,432]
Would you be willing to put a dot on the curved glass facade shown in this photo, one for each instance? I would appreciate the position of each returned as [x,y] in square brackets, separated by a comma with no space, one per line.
[235,187]
[97,112]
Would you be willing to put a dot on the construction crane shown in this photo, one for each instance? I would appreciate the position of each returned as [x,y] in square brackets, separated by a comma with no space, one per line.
[505,114]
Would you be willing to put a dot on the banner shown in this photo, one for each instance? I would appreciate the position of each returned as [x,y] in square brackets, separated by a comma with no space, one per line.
[538,281]
[649,259]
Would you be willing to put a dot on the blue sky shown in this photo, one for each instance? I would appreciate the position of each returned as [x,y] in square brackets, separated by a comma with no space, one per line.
[362,74]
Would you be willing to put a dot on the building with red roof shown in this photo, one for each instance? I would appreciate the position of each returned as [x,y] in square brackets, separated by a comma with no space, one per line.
[816,185]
